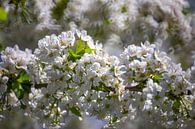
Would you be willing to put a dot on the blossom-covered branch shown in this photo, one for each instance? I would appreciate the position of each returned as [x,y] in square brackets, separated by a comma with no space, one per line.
[70,74]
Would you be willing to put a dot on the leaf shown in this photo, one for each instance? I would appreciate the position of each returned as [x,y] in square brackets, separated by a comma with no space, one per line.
[21,84]
[176,106]
[24,80]
[170,95]
[123,9]
[72,56]
[88,50]
[3,14]
[107,21]
[81,48]
[1,47]
[114,119]
[26,87]
[103,87]
[125,111]
[19,92]
[156,77]
[186,11]
[75,110]
[58,10]
[23,76]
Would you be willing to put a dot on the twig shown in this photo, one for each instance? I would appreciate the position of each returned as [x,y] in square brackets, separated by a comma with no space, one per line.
[133,88]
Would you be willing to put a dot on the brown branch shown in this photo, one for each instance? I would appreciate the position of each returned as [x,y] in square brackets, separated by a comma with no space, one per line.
[38,86]
[130,88]
[133,88]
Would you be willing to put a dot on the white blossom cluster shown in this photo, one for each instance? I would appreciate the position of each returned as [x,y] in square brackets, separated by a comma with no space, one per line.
[81,84]
[12,59]
[161,86]
[70,74]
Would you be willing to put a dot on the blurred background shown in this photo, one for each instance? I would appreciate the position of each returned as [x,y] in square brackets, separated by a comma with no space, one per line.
[172,23]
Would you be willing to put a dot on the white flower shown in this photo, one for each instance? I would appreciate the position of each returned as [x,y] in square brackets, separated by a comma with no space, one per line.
[136,64]
[143,80]
[13,58]
[148,105]
[12,99]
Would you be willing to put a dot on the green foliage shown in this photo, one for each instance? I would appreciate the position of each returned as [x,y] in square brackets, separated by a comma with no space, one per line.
[156,77]
[1,47]
[26,15]
[123,9]
[103,87]
[81,48]
[22,11]
[3,14]
[16,2]
[75,110]
[179,102]
[23,77]
[114,119]
[20,84]
[176,106]
[107,21]
[58,10]
[186,11]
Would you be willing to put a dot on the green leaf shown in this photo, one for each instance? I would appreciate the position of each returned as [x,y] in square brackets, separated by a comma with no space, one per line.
[26,87]
[81,48]
[75,110]
[114,119]
[171,95]
[123,9]
[23,76]
[58,10]
[1,46]
[125,111]
[88,50]
[186,11]
[156,77]
[107,21]
[23,106]
[103,87]
[24,80]
[73,56]
[3,14]
[21,84]
[19,91]
[176,106]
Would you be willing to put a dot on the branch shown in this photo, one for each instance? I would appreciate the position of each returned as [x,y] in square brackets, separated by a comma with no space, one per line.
[130,88]
[133,88]
[38,86]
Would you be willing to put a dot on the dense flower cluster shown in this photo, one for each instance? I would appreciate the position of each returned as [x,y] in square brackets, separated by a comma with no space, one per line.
[162,87]
[12,60]
[70,74]
[75,84]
